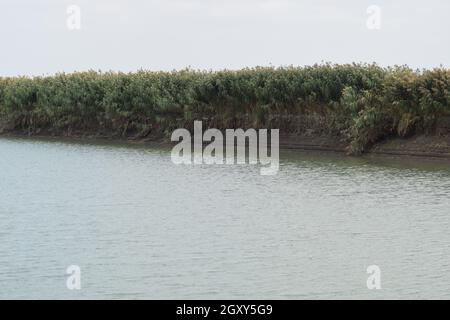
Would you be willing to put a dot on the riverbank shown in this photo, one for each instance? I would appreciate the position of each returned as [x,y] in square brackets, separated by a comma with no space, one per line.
[352,107]
[417,146]
[424,146]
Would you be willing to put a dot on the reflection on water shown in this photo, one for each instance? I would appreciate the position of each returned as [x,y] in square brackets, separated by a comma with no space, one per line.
[140,227]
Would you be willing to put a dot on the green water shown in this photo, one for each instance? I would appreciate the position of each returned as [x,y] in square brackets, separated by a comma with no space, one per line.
[139,226]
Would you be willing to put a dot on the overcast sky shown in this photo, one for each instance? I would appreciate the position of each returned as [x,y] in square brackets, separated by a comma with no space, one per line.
[126,35]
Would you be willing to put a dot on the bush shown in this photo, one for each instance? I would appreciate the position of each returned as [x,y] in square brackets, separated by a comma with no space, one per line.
[362,102]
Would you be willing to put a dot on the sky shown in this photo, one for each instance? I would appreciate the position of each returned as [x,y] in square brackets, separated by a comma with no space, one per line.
[42,37]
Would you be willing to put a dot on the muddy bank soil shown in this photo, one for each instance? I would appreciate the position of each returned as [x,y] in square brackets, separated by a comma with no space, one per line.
[431,146]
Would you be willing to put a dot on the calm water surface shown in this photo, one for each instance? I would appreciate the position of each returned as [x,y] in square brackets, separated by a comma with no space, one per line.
[140,227]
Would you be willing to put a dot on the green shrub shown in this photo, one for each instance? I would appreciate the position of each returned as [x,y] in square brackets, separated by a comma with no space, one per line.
[363,103]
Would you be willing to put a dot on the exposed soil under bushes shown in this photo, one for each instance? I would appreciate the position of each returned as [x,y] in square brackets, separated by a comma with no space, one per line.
[434,146]
[430,146]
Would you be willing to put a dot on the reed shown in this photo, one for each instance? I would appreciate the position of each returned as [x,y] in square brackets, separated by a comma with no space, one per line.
[362,103]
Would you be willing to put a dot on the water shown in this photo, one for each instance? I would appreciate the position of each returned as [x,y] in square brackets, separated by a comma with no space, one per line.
[140,227]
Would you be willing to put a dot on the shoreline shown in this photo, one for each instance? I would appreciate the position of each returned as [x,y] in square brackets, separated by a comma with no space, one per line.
[330,107]
[420,146]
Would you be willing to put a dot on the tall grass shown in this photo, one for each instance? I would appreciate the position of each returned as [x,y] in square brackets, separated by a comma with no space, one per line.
[362,103]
